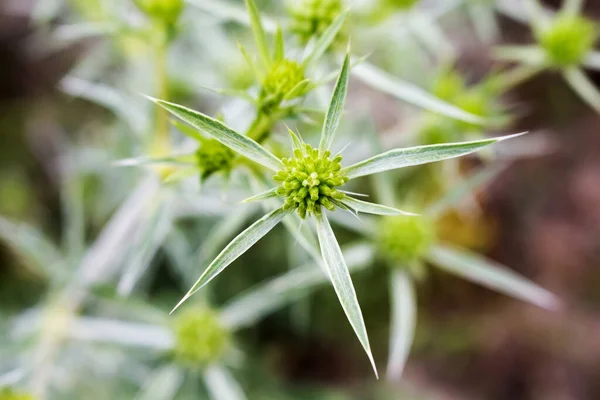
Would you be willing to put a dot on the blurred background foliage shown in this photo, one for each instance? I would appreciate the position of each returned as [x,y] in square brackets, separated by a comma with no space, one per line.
[81,238]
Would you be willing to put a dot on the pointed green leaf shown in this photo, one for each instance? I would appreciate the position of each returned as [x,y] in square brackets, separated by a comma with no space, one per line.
[221,384]
[269,194]
[259,33]
[250,61]
[279,50]
[583,86]
[298,90]
[410,156]
[336,107]
[410,93]
[249,307]
[372,208]
[297,142]
[227,136]
[492,275]
[342,283]
[404,319]
[162,384]
[236,248]
[188,130]
[325,40]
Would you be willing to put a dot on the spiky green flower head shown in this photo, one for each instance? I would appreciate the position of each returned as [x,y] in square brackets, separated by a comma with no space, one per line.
[568,39]
[164,10]
[283,79]
[312,17]
[11,394]
[200,339]
[212,157]
[402,240]
[309,180]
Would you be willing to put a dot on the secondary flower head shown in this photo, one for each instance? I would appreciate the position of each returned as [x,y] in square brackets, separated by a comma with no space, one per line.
[404,239]
[568,39]
[212,157]
[308,181]
[312,17]
[200,339]
[284,79]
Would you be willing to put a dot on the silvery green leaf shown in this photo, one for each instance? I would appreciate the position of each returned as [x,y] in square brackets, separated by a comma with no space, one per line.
[404,319]
[279,47]
[254,304]
[221,384]
[227,136]
[259,33]
[592,60]
[372,208]
[465,187]
[269,194]
[336,107]
[325,40]
[410,156]
[342,283]
[410,93]
[531,55]
[163,384]
[583,86]
[183,159]
[188,130]
[29,243]
[572,7]
[483,18]
[236,248]
[492,275]
[231,12]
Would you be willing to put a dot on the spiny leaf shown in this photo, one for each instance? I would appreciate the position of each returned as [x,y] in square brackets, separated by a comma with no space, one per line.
[372,208]
[492,275]
[262,196]
[342,283]
[227,136]
[404,318]
[297,142]
[236,248]
[259,33]
[221,384]
[336,107]
[583,86]
[325,40]
[400,158]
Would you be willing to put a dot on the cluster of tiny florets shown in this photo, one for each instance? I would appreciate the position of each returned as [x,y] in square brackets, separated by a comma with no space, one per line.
[200,339]
[312,17]
[404,239]
[10,394]
[213,157]
[568,39]
[309,179]
[282,77]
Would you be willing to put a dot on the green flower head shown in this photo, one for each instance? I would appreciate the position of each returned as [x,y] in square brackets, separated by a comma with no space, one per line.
[200,339]
[312,17]
[568,39]
[11,394]
[308,181]
[404,239]
[213,157]
[282,78]
[165,10]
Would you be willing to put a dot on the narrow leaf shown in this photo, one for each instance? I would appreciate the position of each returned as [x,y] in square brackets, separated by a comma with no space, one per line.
[410,156]
[583,86]
[492,275]
[279,50]
[336,107]
[227,136]
[236,248]
[372,208]
[262,196]
[259,32]
[404,319]
[531,55]
[592,60]
[163,384]
[297,142]
[342,283]
[325,40]
[182,174]
[250,61]
[297,90]
[249,307]
[184,159]
[410,93]
[221,384]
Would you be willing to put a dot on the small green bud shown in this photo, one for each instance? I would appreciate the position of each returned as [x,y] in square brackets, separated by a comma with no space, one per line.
[213,157]
[200,339]
[568,39]
[403,240]
[312,17]
[282,77]
[308,181]
[165,10]
[11,394]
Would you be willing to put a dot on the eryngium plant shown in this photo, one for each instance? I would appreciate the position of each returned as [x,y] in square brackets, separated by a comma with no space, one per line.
[310,181]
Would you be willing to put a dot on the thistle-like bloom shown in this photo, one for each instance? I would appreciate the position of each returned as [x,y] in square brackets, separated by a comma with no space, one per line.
[565,44]
[309,181]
